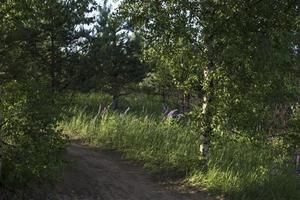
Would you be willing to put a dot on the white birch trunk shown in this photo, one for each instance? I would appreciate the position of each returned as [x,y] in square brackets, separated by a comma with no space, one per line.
[204,148]
[207,114]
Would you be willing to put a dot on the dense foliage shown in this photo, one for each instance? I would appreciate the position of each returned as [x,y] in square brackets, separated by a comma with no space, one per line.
[248,53]
[49,47]
[231,68]
[36,39]
[113,56]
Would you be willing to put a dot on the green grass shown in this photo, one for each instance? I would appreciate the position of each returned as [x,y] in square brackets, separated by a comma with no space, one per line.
[246,170]
[162,146]
[238,168]
[139,104]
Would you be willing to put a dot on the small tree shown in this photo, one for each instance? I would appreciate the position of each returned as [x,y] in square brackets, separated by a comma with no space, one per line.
[114,54]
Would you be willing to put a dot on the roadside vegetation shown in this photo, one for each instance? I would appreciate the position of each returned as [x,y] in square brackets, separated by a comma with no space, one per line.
[168,147]
[206,91]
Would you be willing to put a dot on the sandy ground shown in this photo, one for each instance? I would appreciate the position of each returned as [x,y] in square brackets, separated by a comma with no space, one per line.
[103,175]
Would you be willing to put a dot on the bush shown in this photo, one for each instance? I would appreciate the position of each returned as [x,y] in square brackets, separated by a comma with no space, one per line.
[33,145]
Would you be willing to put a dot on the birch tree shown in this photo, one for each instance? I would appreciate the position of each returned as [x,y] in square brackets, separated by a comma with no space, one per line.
[239,45]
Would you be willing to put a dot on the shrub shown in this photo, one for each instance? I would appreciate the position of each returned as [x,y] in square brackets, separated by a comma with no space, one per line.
[33,145]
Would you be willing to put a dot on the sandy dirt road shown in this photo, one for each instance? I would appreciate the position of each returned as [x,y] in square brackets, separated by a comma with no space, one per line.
[103,175]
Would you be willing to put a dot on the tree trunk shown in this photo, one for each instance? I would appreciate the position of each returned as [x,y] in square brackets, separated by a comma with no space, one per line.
[164,101]
[1,145]
[1,156]
[207,112]
[297,160]
[115,102]
[183,103]
[164,98]
[188,102]
[52,66]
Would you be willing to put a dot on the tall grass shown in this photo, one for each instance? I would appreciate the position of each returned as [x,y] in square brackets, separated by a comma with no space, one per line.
[163,146]
[248,170]
[139,104]
[238,167]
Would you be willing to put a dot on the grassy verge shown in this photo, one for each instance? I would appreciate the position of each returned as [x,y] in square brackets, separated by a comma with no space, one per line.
[238,168]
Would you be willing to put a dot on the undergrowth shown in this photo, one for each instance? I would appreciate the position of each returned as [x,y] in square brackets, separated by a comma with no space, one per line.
[238,167]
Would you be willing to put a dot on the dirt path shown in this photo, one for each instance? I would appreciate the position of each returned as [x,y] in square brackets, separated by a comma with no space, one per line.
[104,175]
